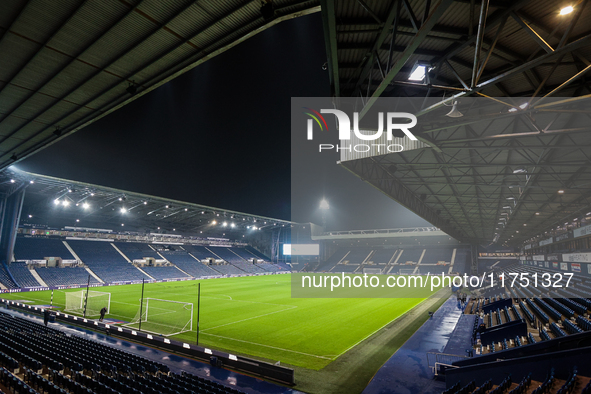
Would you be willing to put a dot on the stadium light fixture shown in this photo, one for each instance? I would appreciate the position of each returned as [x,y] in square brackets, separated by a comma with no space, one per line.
[65,203]
[12,181]
[30,216]
[232,225]
[324,204]
[214,222]
[56,201]
[31,182]
[77,220]
[537,214]
[145,203]
[561,191]
[225,224]
[123,210]
[418,72]
[85,205]
[566,10]
[122,224]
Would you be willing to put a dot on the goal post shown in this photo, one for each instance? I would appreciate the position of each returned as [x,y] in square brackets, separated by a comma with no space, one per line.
[406,271]
[163,317]
[372,271]
[96,301]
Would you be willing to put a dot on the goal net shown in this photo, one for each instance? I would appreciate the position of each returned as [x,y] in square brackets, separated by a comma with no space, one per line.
[163,317]
[406,271]
[372,271]
[97,300]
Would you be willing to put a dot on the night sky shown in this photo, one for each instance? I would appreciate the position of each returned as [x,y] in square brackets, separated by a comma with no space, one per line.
[219,135]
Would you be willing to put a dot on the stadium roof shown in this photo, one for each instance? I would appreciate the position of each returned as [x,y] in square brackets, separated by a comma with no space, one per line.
[64,67]
[464,179]
[53,201]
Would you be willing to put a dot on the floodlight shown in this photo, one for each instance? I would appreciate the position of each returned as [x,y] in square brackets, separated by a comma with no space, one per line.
[56,201]
[65,203]
[12,181]
[566,10]
[418,72]
[324,204]
[123,210]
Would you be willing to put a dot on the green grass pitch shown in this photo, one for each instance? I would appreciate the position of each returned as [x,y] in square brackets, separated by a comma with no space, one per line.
[256,316]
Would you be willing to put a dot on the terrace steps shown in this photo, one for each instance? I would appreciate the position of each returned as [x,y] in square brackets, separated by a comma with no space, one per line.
[38,278]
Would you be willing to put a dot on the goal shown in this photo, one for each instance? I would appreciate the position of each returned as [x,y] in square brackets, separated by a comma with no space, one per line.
[406,271]
[372,271]
[97,300]
[163,317]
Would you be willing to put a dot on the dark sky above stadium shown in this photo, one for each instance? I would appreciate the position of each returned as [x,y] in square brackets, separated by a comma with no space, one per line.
[219,135]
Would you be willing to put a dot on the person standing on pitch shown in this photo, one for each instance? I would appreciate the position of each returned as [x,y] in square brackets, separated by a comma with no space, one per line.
[103,312]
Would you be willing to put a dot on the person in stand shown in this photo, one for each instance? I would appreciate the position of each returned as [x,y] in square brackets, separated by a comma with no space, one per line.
[46,315]
[103,312]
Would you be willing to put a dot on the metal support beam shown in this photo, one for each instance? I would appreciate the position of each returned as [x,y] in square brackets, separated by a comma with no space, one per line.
[479,37]
[419,37]
[330,40]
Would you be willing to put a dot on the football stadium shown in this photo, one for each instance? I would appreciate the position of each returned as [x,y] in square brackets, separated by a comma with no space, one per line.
[295,196]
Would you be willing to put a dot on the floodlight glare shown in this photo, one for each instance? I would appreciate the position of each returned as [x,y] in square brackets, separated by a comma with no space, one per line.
[324,204]
[214,222]
[225,224]
[56,201]
[418,73]
[12,181]
[85,205]
[65,203]
[566,10]
[232,225]
[123,210]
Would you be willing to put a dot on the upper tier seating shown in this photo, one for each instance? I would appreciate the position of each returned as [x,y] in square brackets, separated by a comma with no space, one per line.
[137,251]
[105,261]
[410,255]
[383,256]
[434,255]
[244,253]
[27,248]
[199,252]
[188,264]
[226,254]
[258,254]
[160,273]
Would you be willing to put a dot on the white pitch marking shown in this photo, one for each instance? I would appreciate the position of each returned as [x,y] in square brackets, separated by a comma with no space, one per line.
[272,347]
